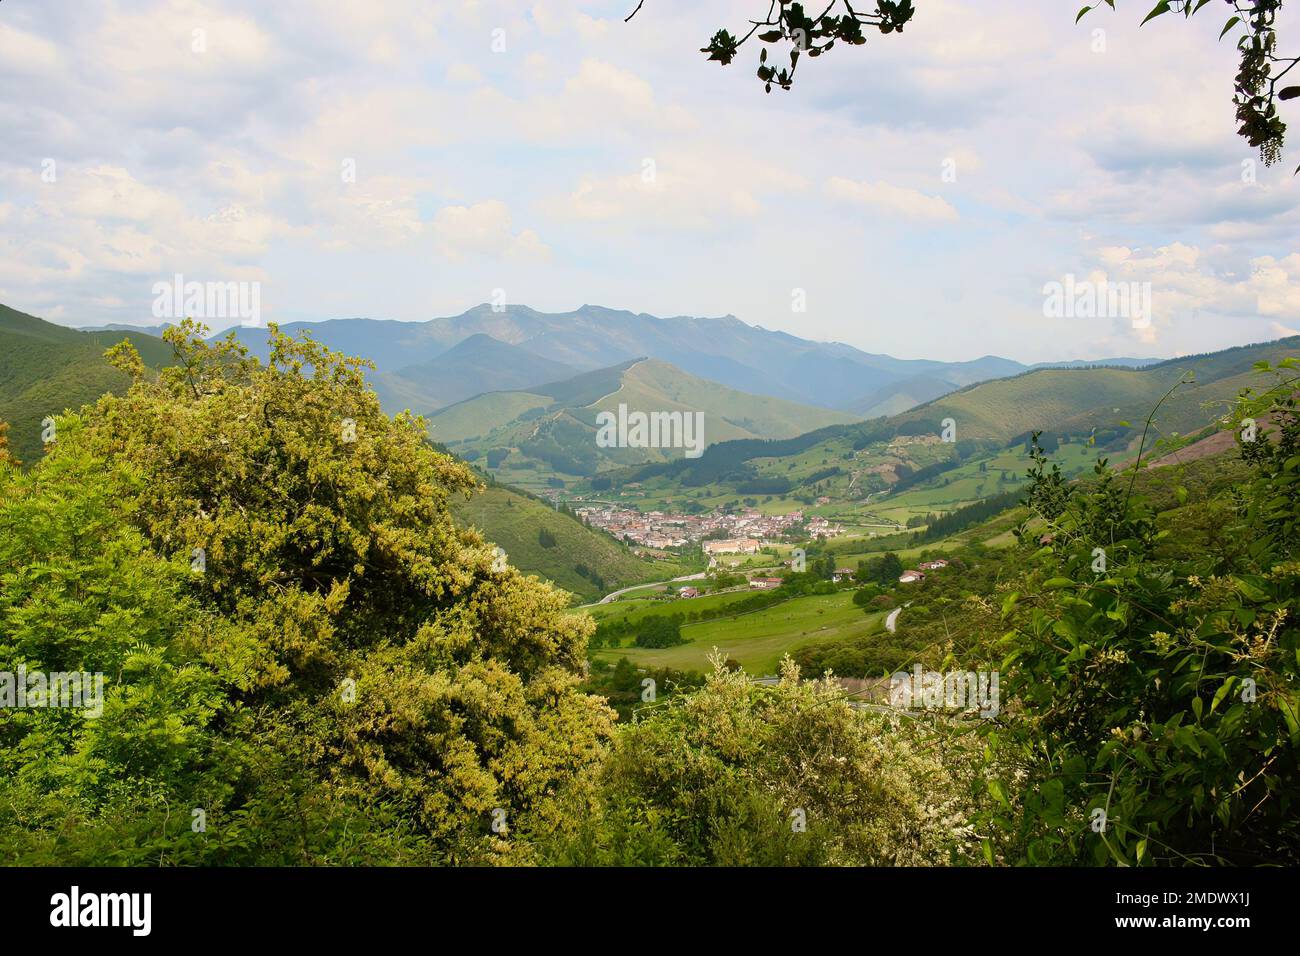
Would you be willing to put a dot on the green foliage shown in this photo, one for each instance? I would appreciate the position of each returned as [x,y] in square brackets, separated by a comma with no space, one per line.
[863,595]
[659,631]
[947,615]
[738,774]
[1156,683]
[5,457]
[622,684]
[803,34]
[883,570]
[348,662]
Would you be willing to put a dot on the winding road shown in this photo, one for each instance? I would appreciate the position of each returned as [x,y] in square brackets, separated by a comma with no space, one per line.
[649,584]
[891,622]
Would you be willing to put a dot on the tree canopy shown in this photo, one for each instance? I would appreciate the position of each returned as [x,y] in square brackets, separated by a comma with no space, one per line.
[263,566]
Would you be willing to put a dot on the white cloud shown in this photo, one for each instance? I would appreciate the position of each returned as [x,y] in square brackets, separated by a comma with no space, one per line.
[1184,285]
[484,230]
[892,200]
[694,190]
[25,53]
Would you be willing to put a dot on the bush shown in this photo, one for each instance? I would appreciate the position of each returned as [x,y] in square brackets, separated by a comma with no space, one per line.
[738,774]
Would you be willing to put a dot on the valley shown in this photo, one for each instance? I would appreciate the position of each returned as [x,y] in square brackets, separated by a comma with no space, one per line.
[648,435]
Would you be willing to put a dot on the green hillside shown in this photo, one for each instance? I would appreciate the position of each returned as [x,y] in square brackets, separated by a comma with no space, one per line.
[728,414]
[46,369]
[471,420]
[1079,399]
[556,546]
[756,640]
[894,469]
[547,433]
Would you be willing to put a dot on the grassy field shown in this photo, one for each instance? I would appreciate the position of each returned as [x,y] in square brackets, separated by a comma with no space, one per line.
[635,608]
[759,639]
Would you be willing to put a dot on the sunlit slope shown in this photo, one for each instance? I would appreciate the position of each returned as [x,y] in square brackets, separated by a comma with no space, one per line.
[1082,398]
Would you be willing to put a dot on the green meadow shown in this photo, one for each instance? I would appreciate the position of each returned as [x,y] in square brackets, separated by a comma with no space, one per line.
[759,639]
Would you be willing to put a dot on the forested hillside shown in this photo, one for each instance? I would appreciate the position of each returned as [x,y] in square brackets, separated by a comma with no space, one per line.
[46,369]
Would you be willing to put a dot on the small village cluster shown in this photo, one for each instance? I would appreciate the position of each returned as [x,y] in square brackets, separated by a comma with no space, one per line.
[747,531]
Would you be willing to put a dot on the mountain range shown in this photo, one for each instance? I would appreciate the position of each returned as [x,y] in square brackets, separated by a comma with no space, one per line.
[517,392]
[542,346]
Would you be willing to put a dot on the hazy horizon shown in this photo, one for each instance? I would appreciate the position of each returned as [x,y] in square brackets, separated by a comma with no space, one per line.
[1150,355]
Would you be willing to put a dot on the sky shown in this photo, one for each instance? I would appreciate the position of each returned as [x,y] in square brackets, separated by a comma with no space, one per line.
[411,159]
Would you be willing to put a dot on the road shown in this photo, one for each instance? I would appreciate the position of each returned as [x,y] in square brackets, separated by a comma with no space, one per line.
[891,622]
[650,584]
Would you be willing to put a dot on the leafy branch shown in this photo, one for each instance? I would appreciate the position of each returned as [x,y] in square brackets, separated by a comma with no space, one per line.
[787,24]
[1261,70]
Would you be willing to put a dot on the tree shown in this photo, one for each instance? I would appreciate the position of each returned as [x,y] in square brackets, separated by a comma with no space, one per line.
[1256,85]
[883,570]
[350,655]
[659,630]
[790,26]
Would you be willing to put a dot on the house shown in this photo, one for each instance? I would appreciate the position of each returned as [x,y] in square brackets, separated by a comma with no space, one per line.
[934,565]
[688,593]
[907,577]
[842,574]
[764,584]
